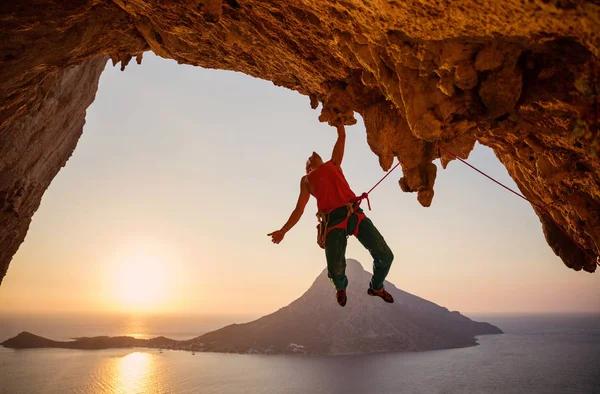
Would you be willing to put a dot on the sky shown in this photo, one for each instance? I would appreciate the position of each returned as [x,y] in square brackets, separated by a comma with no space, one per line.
[181,172]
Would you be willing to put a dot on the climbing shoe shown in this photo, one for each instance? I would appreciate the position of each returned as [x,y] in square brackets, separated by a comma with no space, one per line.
[340,296]
[387,297]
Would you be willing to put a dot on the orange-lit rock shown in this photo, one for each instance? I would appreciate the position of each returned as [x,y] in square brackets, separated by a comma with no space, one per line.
[519,77]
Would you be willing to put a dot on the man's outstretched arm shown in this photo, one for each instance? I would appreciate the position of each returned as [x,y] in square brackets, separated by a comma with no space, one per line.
[277,236]
[338,149]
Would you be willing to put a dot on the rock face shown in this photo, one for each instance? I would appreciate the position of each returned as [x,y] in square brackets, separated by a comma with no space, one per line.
[316,324]
[37,144]
[518,76]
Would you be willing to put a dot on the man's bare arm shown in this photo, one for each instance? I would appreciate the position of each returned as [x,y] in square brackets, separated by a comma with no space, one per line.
[303,198]
[338,149]
[300,205]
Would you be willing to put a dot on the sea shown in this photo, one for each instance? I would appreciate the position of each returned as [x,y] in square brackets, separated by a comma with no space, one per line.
[536,354]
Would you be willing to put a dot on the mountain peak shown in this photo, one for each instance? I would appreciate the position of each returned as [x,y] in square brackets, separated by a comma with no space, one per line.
[367,324]
[26,339]
[352,264]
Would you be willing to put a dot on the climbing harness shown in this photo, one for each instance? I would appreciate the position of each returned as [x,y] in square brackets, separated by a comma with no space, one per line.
[537,205]
[323,227]
[351,207]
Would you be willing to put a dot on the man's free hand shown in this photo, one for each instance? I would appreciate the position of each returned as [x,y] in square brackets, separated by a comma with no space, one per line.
[277,236]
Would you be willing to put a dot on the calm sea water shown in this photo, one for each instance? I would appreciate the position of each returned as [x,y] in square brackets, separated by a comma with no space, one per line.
[550,354]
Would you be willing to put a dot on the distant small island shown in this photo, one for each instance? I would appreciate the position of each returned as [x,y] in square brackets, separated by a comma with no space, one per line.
[27,340]
[315,324]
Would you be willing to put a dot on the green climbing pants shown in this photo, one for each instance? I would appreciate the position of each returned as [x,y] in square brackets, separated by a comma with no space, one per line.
[368,236]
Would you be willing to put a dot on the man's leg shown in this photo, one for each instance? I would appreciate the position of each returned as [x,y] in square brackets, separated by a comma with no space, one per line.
[370,238]
[335,253]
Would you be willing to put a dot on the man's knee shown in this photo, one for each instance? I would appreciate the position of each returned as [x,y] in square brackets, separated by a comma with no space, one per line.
[385,256]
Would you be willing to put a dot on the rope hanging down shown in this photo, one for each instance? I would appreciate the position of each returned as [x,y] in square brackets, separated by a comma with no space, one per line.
[537,205]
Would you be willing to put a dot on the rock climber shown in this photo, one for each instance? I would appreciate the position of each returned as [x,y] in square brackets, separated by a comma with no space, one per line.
[339,217]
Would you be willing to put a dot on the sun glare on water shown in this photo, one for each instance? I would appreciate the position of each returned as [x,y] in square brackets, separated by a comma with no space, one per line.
[141,280]
[136,372]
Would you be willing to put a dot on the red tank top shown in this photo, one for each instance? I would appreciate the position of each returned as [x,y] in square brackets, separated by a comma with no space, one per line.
[329,186]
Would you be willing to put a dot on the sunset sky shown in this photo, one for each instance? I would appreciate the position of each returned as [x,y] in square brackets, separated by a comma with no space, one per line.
[181,172]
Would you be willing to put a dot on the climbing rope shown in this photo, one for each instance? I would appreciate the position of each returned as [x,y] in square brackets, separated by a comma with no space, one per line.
[365,196]
[537,205]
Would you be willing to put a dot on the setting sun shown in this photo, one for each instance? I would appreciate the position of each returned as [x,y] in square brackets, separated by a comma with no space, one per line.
[141,282]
